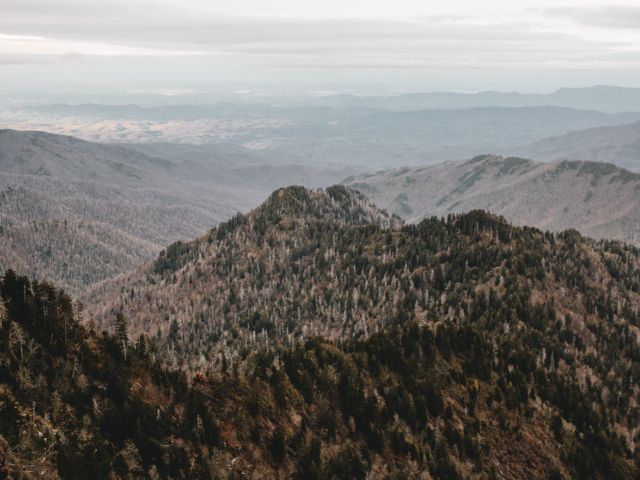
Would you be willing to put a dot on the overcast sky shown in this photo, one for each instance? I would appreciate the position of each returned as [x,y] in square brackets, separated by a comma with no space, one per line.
[367,45]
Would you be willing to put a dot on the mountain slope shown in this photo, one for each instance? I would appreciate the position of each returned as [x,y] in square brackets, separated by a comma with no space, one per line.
[39,153]
[463,346]
[270,239]
[598,199]
[618,144]
[76,212]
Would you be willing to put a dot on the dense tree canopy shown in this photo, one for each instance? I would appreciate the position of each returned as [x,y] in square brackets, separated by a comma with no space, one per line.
[316,338]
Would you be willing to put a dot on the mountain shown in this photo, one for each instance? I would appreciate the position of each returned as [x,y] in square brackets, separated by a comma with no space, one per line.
[320,136]
[465,347]
[476,128]
[271,238]
[77,212]
[618,144]
[602,98]
[598,199]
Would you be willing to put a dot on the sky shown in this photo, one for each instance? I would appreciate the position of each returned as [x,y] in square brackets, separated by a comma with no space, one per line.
[361,46]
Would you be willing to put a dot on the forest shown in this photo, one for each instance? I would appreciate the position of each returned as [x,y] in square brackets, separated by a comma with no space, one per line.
[316,337]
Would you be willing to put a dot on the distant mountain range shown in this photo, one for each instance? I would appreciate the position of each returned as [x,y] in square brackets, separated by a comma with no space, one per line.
[617,144]
[77,212]
[322,136]
[603,98]
[599,199]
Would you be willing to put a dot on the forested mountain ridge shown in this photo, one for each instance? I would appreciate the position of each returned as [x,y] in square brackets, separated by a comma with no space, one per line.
[463,348]
[598,199]
[540,302]
[303,264]
[275,238]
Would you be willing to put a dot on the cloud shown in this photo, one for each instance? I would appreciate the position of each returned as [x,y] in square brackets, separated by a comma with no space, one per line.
[167,39]
[611,16]
[21,60]
[247,39]
[195,26]
[12,59]
[72,57]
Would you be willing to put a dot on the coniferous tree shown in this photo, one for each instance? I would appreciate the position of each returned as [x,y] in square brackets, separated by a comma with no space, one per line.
[121,334]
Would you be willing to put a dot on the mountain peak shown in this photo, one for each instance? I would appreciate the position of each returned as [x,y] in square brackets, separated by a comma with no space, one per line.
[333,204]
[287,207]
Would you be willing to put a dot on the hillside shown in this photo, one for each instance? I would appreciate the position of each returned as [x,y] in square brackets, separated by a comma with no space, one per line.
[598,199]
[462,348]
[77,212]
[273,239]
[619,144]
[43,154]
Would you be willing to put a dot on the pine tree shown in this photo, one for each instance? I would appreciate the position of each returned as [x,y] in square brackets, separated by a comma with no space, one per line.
[121,334]
[279,446]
